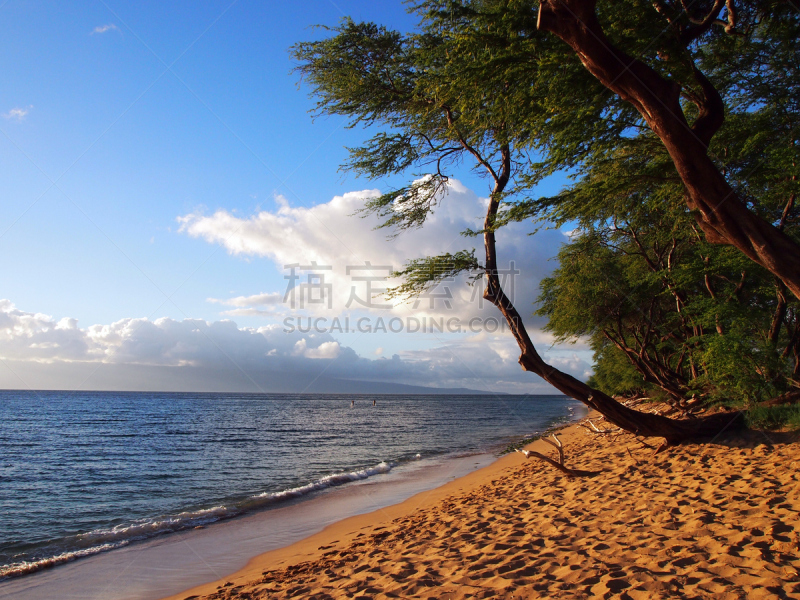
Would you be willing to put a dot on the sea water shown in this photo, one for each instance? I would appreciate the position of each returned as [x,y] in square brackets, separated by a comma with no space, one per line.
[87,472]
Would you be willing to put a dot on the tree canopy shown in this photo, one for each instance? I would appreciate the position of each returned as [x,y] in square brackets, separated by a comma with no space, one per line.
[684,267]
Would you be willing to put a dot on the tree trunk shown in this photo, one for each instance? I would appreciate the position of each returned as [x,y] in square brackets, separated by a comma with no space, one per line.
[720,213]
[644,424]
[639,423]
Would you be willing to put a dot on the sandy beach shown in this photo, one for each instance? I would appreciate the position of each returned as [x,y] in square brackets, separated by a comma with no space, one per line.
[697,521]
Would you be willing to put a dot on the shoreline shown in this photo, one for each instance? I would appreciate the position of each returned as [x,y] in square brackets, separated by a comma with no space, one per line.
[719,519]
[347,530]
[150,569]
[369,436]
[163,565]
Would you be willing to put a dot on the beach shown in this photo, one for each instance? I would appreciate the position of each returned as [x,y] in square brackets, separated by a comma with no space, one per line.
[127,496]
[717,519]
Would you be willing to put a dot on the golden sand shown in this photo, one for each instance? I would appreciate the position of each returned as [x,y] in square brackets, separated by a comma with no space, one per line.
[716,520]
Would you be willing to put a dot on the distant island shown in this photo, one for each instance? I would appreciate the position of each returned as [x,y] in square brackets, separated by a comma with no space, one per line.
[151,378]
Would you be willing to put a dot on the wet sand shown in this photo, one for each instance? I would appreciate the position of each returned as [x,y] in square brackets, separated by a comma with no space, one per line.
[168,564]
[697,521]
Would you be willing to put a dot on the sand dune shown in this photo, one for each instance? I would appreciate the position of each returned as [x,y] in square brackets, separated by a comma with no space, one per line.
[697,521]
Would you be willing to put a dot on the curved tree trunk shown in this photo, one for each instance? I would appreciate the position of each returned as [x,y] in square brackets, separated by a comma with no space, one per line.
[640,423]
[721,214]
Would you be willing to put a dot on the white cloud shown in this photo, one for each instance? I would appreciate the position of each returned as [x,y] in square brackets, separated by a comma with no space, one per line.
[36,336]
[18,114]
[222,355]
[105,28]
[488,363]
[249,312]
[257,305]
[254,300]
[571,364]
[329,236]
[328,350]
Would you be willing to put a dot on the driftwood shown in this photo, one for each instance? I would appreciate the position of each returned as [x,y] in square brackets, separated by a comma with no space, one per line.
[787,398]
[595,429]
[664,445]
[560,464]
[618,432]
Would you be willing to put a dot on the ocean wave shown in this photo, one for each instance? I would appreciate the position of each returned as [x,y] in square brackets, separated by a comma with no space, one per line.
[325,482]
[148,528]
[26,567]
[102,540]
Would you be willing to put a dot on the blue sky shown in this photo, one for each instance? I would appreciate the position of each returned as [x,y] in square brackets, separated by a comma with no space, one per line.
[132,130]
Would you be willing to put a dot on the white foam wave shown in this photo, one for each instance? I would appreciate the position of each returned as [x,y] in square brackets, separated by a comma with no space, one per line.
[26,567]
[326,482]
[101,540]
[187,520]
[145,529]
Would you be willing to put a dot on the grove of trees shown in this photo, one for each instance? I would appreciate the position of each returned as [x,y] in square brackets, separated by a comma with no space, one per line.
[678,123]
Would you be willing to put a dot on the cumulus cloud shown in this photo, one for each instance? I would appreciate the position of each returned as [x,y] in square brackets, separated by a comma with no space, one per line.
[324,350]
[337,263]
[254,300]
[249,312]
[105,28]
[351,257]
[256,305]
[198,354]
[491,362]
[334,263]
[166,342]
[17,114]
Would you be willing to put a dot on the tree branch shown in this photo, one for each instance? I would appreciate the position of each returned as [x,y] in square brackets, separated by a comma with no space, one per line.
[719,211]
[689,34]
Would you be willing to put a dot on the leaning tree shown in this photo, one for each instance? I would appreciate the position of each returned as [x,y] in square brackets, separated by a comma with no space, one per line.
[682,106]
[477,83]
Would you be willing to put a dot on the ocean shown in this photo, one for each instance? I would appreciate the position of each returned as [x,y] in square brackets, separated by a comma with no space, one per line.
[83,473]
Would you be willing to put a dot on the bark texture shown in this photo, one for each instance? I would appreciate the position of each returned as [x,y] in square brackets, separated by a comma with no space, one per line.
[640,423]
[720,213]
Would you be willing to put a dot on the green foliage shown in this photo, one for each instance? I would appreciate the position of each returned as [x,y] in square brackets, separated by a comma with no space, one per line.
[432,96]
[773,417]
[423,274]
[478,84]
[690,317]
[614,374]
[739,369]
[663,308]
[409,206]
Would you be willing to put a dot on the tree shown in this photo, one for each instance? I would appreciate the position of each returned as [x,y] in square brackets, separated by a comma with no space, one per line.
[720,211]
[738,329]
[447,94]
[667,311]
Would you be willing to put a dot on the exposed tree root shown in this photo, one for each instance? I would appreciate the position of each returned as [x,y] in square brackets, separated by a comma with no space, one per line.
[595,429]
[560,464]
[664,445]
